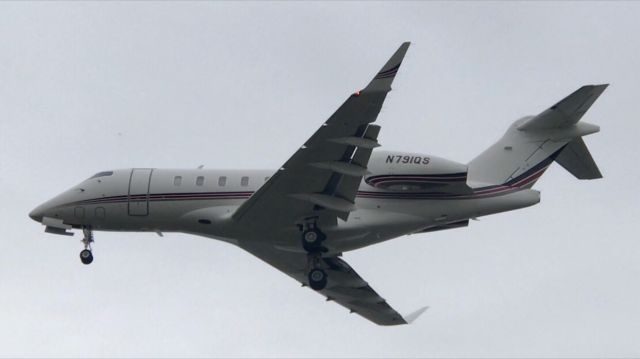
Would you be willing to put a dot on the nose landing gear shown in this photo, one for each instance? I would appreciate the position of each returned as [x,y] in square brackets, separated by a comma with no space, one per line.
[86,257]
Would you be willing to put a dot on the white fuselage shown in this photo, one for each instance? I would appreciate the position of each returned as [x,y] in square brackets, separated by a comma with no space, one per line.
[201,201]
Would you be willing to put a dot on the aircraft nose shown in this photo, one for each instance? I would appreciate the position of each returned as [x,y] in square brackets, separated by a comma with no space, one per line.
[37,214]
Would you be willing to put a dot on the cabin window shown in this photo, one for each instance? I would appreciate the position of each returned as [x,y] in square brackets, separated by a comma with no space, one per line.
[266,178]
[244,181]
[222,181]
[200,181]
[177,180]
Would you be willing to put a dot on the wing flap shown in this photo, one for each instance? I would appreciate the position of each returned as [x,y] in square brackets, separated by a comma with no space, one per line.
[326,201]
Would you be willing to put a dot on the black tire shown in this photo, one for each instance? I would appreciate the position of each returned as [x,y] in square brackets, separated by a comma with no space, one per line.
[312,240]
[317,279]
[86,257]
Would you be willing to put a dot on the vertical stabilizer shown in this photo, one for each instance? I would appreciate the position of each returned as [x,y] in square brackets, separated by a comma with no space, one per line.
[532,143]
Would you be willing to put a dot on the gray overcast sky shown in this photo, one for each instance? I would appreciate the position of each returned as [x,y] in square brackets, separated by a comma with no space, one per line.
[90,86]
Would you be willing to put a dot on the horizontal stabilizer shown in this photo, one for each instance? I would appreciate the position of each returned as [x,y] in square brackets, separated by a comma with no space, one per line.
[576,158]
[568,111]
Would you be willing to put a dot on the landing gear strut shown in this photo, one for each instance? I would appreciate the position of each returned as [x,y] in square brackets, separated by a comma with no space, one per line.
[86,257]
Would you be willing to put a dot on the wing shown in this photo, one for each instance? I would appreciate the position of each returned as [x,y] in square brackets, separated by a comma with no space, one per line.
[322,178]
[344,285]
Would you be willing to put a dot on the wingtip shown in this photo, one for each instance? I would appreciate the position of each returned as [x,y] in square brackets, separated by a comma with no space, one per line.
[383,79]
[599,89]
[410,318]
[402,50]
[595,87]
[397,57]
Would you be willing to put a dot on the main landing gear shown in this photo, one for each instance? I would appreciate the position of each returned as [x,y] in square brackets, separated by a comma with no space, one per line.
[86,256]
[317,279]
[312,239]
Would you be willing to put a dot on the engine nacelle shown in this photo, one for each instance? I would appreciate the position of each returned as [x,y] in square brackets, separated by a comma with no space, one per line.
[414,172]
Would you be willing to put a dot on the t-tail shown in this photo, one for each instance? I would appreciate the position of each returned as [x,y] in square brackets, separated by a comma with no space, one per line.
[532,143]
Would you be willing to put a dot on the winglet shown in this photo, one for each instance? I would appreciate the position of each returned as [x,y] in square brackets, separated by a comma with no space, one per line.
[384,78]
[410,318]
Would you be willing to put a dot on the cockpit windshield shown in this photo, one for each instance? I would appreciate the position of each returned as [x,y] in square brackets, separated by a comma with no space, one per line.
[101,174]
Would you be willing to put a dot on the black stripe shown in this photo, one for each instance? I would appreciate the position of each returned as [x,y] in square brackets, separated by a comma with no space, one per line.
[385,77]
[393,69]
[544,163]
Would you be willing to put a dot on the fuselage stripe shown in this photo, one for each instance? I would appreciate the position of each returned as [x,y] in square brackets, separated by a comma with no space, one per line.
[512,185]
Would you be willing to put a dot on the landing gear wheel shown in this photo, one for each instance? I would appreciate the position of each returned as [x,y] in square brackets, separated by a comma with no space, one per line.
[86,256]
[312,240]
[317,279]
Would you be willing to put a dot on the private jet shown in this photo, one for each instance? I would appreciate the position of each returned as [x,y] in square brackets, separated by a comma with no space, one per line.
[334,194]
